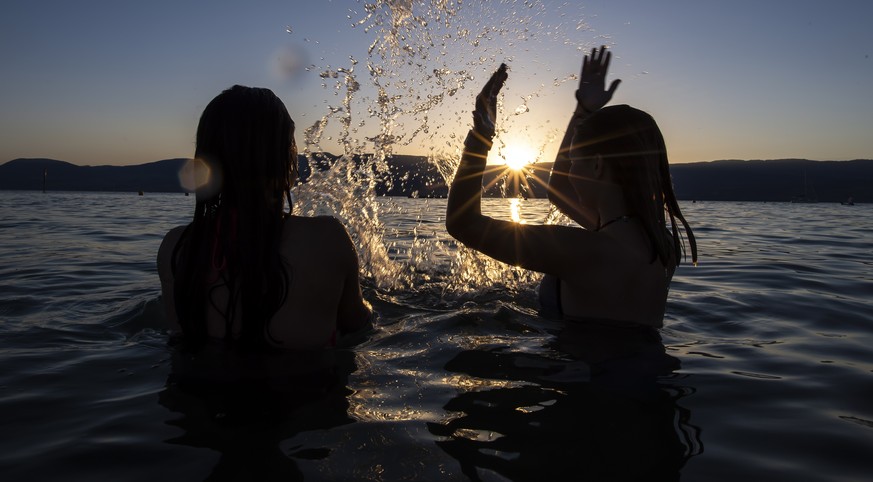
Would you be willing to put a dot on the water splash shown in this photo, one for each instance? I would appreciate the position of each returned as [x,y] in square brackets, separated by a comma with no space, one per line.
[422,55]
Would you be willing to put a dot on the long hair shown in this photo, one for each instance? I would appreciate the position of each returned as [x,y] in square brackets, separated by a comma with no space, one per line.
[630,141]
[246,139]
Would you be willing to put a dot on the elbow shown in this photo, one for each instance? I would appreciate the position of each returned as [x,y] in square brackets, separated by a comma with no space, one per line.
[453,216]
[457,226]
[453,227]
[463,214]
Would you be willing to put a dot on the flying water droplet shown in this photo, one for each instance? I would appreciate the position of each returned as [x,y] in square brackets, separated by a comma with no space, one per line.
[420,56]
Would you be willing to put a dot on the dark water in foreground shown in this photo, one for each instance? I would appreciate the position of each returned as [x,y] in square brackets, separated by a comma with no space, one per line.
[763,370]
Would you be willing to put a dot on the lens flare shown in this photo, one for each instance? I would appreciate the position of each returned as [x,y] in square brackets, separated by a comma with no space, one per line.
[194,175]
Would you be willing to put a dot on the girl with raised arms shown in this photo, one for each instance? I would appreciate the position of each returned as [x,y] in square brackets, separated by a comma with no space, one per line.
[612,178]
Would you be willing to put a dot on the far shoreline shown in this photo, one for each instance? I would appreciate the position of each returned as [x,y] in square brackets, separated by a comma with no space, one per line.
[780,180]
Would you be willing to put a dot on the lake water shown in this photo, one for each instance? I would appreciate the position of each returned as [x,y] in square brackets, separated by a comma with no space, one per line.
[764,369]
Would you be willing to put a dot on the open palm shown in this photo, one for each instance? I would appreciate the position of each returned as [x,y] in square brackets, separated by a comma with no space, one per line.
[592,93]
[485,114]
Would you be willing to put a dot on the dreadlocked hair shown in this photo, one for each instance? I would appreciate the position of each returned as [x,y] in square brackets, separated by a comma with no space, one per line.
[246,140]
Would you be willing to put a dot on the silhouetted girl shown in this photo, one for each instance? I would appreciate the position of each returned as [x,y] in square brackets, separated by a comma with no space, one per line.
[246,270]
[611,176]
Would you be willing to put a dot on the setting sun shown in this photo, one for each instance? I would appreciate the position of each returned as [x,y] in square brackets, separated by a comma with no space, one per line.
[514,156]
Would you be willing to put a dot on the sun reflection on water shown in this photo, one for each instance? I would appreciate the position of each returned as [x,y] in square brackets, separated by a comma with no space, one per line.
[515,211]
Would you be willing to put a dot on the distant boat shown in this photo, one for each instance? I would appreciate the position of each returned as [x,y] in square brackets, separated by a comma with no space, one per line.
[808,192]
[848,202]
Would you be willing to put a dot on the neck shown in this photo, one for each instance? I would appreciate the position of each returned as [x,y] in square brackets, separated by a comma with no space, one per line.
[611,207]
[621,218]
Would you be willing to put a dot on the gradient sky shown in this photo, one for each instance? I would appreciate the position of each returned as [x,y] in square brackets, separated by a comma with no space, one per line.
[118,82]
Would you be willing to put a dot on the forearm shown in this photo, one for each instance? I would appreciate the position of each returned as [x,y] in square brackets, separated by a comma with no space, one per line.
[560,191]
[558,176]
[465,193]
[562,160]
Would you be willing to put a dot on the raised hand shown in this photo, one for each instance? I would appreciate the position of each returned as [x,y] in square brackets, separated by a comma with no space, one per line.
[485,115]
[592,93]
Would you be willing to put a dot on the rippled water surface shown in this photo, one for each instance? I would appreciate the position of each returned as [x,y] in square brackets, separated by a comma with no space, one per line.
[763,370]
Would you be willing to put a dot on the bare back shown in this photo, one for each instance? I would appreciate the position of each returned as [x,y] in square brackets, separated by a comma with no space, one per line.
[622,283]
[324,294]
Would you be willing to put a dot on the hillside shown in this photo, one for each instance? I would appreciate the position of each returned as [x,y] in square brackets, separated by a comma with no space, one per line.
[774,180]
[728,180]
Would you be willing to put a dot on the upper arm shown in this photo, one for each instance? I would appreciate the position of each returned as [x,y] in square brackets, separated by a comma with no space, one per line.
[165,272]
[353,311]
[549,249]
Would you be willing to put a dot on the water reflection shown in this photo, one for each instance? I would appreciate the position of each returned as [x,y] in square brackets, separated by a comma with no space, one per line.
[244,408]
[601,406]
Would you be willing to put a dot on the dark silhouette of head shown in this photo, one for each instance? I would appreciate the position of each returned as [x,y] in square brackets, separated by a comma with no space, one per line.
[630,143]
[245,138]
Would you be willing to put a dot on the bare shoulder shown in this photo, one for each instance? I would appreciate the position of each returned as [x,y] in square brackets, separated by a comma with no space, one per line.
[171,239]
[174,234]
[326,226]
[319,232]
[168,245]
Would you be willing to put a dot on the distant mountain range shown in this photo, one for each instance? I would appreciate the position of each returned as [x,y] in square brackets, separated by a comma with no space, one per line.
[412,176]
